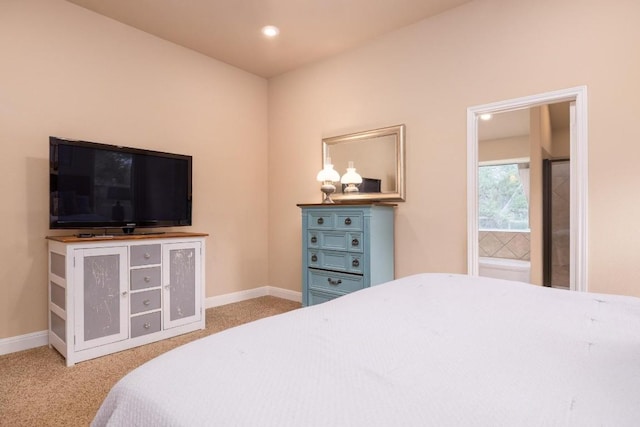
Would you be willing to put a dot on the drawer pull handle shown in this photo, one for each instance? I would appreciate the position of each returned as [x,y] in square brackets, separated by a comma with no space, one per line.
[147,279]
[147,256]
[147,302]
[147,325]
[314,258]
[347,221]
[334,282]
[355,242]
[355,263]
[314,239]
[320,221]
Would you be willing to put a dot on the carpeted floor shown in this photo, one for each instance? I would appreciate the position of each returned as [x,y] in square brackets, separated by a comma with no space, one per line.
[37,389]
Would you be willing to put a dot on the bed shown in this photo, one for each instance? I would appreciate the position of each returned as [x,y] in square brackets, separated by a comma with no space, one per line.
[425,350]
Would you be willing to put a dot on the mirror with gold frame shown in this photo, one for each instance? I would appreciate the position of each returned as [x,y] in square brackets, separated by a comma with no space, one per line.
[377,156]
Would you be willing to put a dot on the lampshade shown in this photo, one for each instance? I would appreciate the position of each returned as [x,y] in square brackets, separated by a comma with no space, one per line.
[351,179]
[328,174]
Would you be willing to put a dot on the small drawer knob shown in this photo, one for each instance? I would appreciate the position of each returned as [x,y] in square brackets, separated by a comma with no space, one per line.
[124,293]
[320,221]
[147,255]
[314,239]
[355,242]
[314,258]
[355,263]
[146,302]
[147,279]
[147,325]
[347,221]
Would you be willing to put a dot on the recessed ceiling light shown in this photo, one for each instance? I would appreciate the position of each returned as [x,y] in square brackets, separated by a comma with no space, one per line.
[270,31]
[485,116]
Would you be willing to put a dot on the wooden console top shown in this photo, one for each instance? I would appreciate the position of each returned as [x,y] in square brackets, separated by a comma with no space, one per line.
[99,237]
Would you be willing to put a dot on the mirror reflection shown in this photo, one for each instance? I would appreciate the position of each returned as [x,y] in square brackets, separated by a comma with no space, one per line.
[376,156]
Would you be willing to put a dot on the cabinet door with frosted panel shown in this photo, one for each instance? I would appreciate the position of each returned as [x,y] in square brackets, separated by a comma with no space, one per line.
[182,283]
[101,300]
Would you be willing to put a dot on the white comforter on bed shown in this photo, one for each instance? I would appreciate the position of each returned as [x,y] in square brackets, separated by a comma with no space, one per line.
[425,350]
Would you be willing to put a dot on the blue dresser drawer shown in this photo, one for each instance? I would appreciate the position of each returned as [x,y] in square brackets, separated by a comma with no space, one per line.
[335,240]
[337,261]
[349,220]
[321,220]
[335,282]
[318,297]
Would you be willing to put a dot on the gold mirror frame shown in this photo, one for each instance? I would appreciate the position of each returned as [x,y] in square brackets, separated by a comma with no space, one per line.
[377,154]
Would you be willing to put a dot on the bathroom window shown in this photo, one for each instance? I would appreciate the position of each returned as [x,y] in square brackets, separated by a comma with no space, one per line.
[503,196]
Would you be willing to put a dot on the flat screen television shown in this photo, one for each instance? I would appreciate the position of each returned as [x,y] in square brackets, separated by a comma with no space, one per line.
[101,186]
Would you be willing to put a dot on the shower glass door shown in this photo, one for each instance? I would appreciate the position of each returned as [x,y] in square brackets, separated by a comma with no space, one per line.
[556,200]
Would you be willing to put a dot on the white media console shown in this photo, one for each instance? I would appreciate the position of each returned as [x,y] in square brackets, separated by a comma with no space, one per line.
[111,293]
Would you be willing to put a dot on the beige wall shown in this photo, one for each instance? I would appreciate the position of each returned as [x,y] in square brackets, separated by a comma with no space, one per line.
[561,143]
[68,72]
[510,148]
[426,76]
[540,143]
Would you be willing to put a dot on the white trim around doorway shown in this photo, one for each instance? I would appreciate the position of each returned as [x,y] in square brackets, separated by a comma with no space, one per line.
[578,176]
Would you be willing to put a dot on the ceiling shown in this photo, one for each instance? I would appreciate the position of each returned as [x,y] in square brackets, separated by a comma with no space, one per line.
[229,30]
[504,125]
[516,123]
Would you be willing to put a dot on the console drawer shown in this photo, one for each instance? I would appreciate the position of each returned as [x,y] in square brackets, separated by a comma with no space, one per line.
[145,324]
[145,301]
[334,282]
[145,255]
[148,277]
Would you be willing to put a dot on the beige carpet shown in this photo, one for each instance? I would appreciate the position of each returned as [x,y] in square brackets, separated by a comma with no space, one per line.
[37,389]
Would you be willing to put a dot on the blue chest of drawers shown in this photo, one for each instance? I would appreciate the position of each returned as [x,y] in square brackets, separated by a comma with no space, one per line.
[345,248]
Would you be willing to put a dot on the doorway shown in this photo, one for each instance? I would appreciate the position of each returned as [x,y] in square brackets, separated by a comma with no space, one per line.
[578,176]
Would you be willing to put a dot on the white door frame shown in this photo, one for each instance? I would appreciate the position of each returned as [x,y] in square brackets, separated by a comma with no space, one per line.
[578,176]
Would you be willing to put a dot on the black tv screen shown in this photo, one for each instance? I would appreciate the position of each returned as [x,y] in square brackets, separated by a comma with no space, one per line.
[96,185]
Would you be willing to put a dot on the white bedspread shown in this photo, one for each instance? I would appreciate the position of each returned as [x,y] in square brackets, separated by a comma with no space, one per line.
[426,350]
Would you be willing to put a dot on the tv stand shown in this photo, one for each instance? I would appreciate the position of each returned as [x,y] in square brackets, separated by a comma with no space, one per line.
[124,234]
[112,293]
[148,233]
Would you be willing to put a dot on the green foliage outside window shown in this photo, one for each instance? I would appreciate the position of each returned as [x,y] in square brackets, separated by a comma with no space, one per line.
[502,203]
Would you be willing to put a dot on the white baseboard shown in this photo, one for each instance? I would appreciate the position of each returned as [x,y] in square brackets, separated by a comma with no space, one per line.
[284,293]
[253,293]
[37,339]
[23,342]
